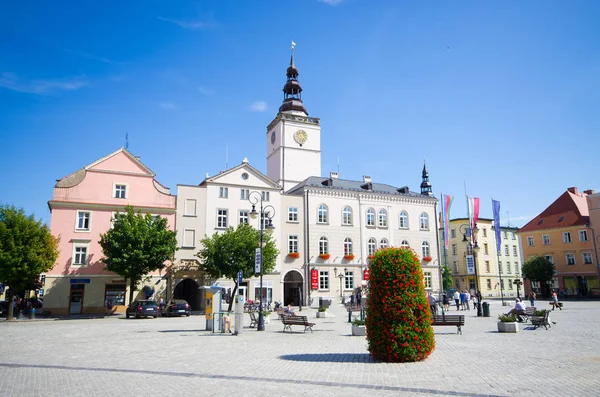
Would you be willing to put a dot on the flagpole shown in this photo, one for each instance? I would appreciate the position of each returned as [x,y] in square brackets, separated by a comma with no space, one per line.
[442,206]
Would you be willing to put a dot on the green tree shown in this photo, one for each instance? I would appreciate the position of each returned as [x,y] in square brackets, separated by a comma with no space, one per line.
[137,245]
[539,269]
[224,254]
[27,248]
[447,280]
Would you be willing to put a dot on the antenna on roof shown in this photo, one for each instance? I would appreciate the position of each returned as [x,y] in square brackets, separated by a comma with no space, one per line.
[226,156]
[338,165]
[127,141]
[507,218]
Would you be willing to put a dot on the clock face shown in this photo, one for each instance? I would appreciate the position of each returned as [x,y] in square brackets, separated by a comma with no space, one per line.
[300,136]
[273,137]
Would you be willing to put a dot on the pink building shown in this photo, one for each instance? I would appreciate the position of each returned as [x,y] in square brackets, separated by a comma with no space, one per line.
[81,209]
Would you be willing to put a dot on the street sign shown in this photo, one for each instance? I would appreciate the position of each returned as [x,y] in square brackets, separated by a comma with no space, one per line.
[240,277]
[257,261]
[470,264]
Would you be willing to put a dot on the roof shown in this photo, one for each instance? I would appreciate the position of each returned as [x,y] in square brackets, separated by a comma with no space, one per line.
[570,209]
[354,186]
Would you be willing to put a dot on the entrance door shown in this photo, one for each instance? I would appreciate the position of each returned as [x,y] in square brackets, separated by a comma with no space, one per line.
[76,302]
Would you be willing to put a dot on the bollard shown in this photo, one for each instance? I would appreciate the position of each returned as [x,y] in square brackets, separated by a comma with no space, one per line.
[32,314]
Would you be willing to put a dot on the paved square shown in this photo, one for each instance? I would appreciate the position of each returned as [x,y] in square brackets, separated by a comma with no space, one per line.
[176,356]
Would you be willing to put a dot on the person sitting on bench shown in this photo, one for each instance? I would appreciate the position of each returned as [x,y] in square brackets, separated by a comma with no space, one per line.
[518,309]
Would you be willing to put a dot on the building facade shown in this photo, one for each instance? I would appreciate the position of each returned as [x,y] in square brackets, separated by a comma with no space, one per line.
[562,234]
[82,207]
[593,203]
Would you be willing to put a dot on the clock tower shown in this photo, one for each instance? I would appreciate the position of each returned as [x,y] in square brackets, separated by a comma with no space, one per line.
[293,138]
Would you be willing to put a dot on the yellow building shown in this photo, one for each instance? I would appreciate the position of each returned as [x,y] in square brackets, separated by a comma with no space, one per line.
[562,234]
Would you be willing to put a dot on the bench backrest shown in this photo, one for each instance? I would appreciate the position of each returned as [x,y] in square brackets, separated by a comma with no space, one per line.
[295,320]
[449,318]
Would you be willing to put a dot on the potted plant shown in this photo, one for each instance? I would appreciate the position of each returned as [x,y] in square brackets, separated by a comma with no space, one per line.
[266,316]
[349,257]
[322,312]
[294,255]
[358,327]
[427,258]
[508,323]
[324,256]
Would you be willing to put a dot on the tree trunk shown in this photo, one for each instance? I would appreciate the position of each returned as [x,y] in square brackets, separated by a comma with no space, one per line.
[232,297]
[9,297]
[131,290]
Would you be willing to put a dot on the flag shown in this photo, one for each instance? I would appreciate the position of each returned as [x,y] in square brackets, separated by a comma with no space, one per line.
[473,211]
[446,203]
[496,209]
[293,44]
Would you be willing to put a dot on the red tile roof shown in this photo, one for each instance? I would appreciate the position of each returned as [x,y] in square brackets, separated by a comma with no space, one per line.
[568,210]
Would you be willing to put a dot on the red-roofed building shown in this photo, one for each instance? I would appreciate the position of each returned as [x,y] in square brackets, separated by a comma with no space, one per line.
[562,234]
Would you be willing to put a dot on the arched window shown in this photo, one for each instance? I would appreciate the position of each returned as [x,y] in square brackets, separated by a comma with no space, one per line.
[347,216]
[404,244]
[424,219]
[323,246]
[425,249]
[371,246]
[382,218]
[383,243]
[322,214]
[403,220]
[348,246]
[370,217]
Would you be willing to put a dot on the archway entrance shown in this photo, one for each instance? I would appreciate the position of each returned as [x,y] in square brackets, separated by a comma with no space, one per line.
[292,288]
[187,289]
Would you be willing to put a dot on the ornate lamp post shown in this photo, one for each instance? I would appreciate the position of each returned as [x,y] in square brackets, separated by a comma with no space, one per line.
[266,215]
[518,283]
[472,249]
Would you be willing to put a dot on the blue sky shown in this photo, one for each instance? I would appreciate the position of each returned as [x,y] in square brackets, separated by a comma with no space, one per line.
[501,96]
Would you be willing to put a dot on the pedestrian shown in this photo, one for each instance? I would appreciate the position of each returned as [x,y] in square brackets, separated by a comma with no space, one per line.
[445,301]
[463,296]
[475,301]
[109,306]
[457,300]
[467,299]
[532,297]
[352,300]
[432,304]
[554,302]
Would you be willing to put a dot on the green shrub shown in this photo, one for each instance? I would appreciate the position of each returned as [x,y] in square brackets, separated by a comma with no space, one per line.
[398,313]
[358,321]
[507,318]
[540,313]
[322,309]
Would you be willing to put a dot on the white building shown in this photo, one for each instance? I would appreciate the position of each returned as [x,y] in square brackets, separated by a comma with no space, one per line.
[333,224]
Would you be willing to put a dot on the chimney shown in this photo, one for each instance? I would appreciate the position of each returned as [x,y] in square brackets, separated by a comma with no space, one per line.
[572,190]
[333,175]
[366,179]
[589,191]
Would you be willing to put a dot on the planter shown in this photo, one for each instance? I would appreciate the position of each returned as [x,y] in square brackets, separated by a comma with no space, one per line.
[427,259]
[294,255]
[508,327]
[267,319]
[358,330]
[321,314]
[325,256]
[349,257]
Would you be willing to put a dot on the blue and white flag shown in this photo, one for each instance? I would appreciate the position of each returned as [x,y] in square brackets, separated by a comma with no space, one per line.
[496,208]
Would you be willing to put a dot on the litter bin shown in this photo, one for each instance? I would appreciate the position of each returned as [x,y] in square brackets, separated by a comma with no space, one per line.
[32,313]
[486,309]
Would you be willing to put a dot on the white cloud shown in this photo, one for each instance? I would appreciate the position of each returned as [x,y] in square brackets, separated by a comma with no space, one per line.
[258,106]
[167,106]
[331,2]
[41,87]
[192,25]
[205,90]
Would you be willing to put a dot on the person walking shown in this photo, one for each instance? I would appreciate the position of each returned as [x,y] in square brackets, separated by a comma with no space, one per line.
[554,302]
[463,296]
[467,299]
[446,301]
[432,304]
[532,297]
[457,299]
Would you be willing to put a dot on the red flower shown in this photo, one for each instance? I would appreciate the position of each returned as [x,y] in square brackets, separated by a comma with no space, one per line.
[294,255]
[324,256]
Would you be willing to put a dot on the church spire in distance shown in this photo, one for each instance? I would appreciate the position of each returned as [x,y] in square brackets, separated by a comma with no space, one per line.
[292,91]
[426,185]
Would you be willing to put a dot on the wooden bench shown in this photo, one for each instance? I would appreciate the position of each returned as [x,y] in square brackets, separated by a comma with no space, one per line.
[529,312]
[288,321]
[457,320]
[351,309]
[539,321]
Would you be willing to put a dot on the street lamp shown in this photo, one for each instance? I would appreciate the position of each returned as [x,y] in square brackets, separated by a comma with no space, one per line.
[472,249]
[518,283]
[266,214]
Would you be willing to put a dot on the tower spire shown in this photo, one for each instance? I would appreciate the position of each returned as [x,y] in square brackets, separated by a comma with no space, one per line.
[426,185]
[292,91]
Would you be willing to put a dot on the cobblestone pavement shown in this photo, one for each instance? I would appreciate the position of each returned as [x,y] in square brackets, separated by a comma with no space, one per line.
[176,356]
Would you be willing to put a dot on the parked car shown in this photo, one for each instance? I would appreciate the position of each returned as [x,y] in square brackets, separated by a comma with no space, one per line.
[142,308]
[4,309]
[177,307]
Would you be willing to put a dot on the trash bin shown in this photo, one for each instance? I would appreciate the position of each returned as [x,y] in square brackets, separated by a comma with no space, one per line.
[486,309]
[32,313]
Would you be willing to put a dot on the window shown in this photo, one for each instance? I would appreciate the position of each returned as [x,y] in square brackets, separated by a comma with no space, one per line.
[425,249]
[347,216]
[349,280]
[570,259]
[583,235]
[382,218]
[292,243]
[427,279]
[545,239]
[323,279]
[404,244]
[510,284]
[244,194]
[514,250]
[506,249]
[517,268]
[266,196]
[347,246]
[454,249]
[383,243]
[116,293]
[567,237]
[508,271]
[189,238]
[514,236]
[371,246]
[322,214]
[403,220]
[484,232]
[549,257]
[370,217]
[502,284]
[500,267]
[244,216]
[223,192]
[453,233]
[189,207]
[455,266]
[487,266]
[485,248]
[587,258]
[505,234]
[83,220]
[323,246]
[292,214]
[424,221]
[80,254]
[488,283]
[222,219]
[120,191]
[530,241]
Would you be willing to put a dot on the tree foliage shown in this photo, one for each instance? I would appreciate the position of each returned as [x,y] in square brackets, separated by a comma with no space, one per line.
[27,248]
[447,280]
[223,255]
[137,245]
[538,268]
[398,315]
